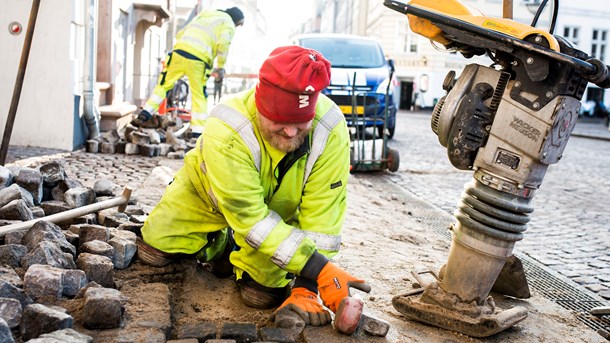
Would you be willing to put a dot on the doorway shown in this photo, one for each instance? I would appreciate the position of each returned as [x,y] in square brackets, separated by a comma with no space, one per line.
[406,95]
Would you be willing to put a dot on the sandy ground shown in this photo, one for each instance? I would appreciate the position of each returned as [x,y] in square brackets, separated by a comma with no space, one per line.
[384,239]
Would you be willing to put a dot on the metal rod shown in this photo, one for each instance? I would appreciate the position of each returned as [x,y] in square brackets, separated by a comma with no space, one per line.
[70,214]
[507,9]
[25,53]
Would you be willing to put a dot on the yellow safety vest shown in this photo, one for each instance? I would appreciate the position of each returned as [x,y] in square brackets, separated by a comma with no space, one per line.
[231,180]
[208,36]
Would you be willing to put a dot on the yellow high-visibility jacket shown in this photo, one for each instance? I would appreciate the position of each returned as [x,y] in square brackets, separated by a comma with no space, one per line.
[233,178]
[208,36]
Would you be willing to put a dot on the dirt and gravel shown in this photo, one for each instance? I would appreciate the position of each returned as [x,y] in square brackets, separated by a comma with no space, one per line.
[387,234]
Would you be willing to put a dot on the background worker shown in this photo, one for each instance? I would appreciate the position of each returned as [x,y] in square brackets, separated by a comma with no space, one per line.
[205,39]
[217,86]
[269,173]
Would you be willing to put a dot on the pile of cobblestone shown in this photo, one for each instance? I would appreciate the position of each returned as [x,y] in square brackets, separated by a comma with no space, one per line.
[73,259]
[80,280]
[163,136]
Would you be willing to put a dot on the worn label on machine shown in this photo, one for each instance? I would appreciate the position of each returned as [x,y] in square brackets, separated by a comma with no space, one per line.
[508,159]
[525,129]
[502,27]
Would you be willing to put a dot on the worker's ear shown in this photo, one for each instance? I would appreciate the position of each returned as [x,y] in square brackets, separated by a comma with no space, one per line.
[239,23]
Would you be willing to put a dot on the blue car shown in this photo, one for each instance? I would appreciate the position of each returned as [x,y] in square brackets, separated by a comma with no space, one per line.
[360,76]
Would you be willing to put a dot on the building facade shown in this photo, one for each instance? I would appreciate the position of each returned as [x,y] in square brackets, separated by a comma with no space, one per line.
[129,39]
[422,66]
[126,41]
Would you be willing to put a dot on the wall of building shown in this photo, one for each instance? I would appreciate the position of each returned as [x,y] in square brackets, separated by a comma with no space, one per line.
[46,115]
[587,16]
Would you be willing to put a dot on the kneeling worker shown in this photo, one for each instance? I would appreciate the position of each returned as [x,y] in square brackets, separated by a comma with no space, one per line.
[266,187]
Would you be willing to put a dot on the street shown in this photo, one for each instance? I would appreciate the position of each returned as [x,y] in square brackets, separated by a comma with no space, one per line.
[396,222]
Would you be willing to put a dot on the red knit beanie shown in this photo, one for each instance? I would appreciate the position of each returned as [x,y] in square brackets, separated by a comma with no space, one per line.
[289,82]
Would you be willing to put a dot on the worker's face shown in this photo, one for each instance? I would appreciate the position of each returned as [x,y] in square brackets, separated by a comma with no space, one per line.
[285,137]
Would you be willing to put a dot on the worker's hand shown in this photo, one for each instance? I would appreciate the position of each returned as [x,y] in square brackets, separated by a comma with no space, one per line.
[334,284]
[305,303]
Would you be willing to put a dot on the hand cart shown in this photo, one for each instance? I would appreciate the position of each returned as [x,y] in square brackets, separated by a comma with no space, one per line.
[370,152]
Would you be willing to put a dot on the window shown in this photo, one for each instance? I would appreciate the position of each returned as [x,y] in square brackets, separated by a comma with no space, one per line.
[405,39]
[598,44]
[347,52]
[571,34]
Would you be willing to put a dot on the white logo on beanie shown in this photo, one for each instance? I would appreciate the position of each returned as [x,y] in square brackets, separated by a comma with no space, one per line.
[304,98]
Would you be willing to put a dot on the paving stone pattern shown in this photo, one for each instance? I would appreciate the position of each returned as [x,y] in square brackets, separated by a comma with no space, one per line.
[568,232]
[123,170]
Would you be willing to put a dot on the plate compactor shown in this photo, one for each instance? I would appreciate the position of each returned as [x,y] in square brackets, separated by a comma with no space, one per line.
[507,122]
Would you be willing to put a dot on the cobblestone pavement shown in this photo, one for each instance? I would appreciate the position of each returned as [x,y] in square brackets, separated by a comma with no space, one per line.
[123,170]
[568,232]
[569,229]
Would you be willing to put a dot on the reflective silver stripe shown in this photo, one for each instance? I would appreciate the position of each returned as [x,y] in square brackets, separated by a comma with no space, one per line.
[261,230]
[320,136]
[287,248]
[200,143]
[155,98]
[205,28]
[243,126]
[197,44]
[285,251]
[324,241]
[226,35]
[194,38]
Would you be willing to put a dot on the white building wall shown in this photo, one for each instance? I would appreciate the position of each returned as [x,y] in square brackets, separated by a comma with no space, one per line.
[45,116]
[119,53]
[586,15]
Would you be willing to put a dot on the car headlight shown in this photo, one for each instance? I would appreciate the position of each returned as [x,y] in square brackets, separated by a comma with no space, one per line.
[383,86]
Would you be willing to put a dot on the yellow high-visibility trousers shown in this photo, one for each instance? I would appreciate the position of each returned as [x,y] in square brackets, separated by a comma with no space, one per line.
[177,66]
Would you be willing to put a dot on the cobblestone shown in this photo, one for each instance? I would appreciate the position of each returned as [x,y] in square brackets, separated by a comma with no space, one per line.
[123,170]
[568,231]
[596,288]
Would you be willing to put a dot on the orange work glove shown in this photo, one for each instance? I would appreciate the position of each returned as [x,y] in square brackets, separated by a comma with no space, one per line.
[334,283]
[305,303]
